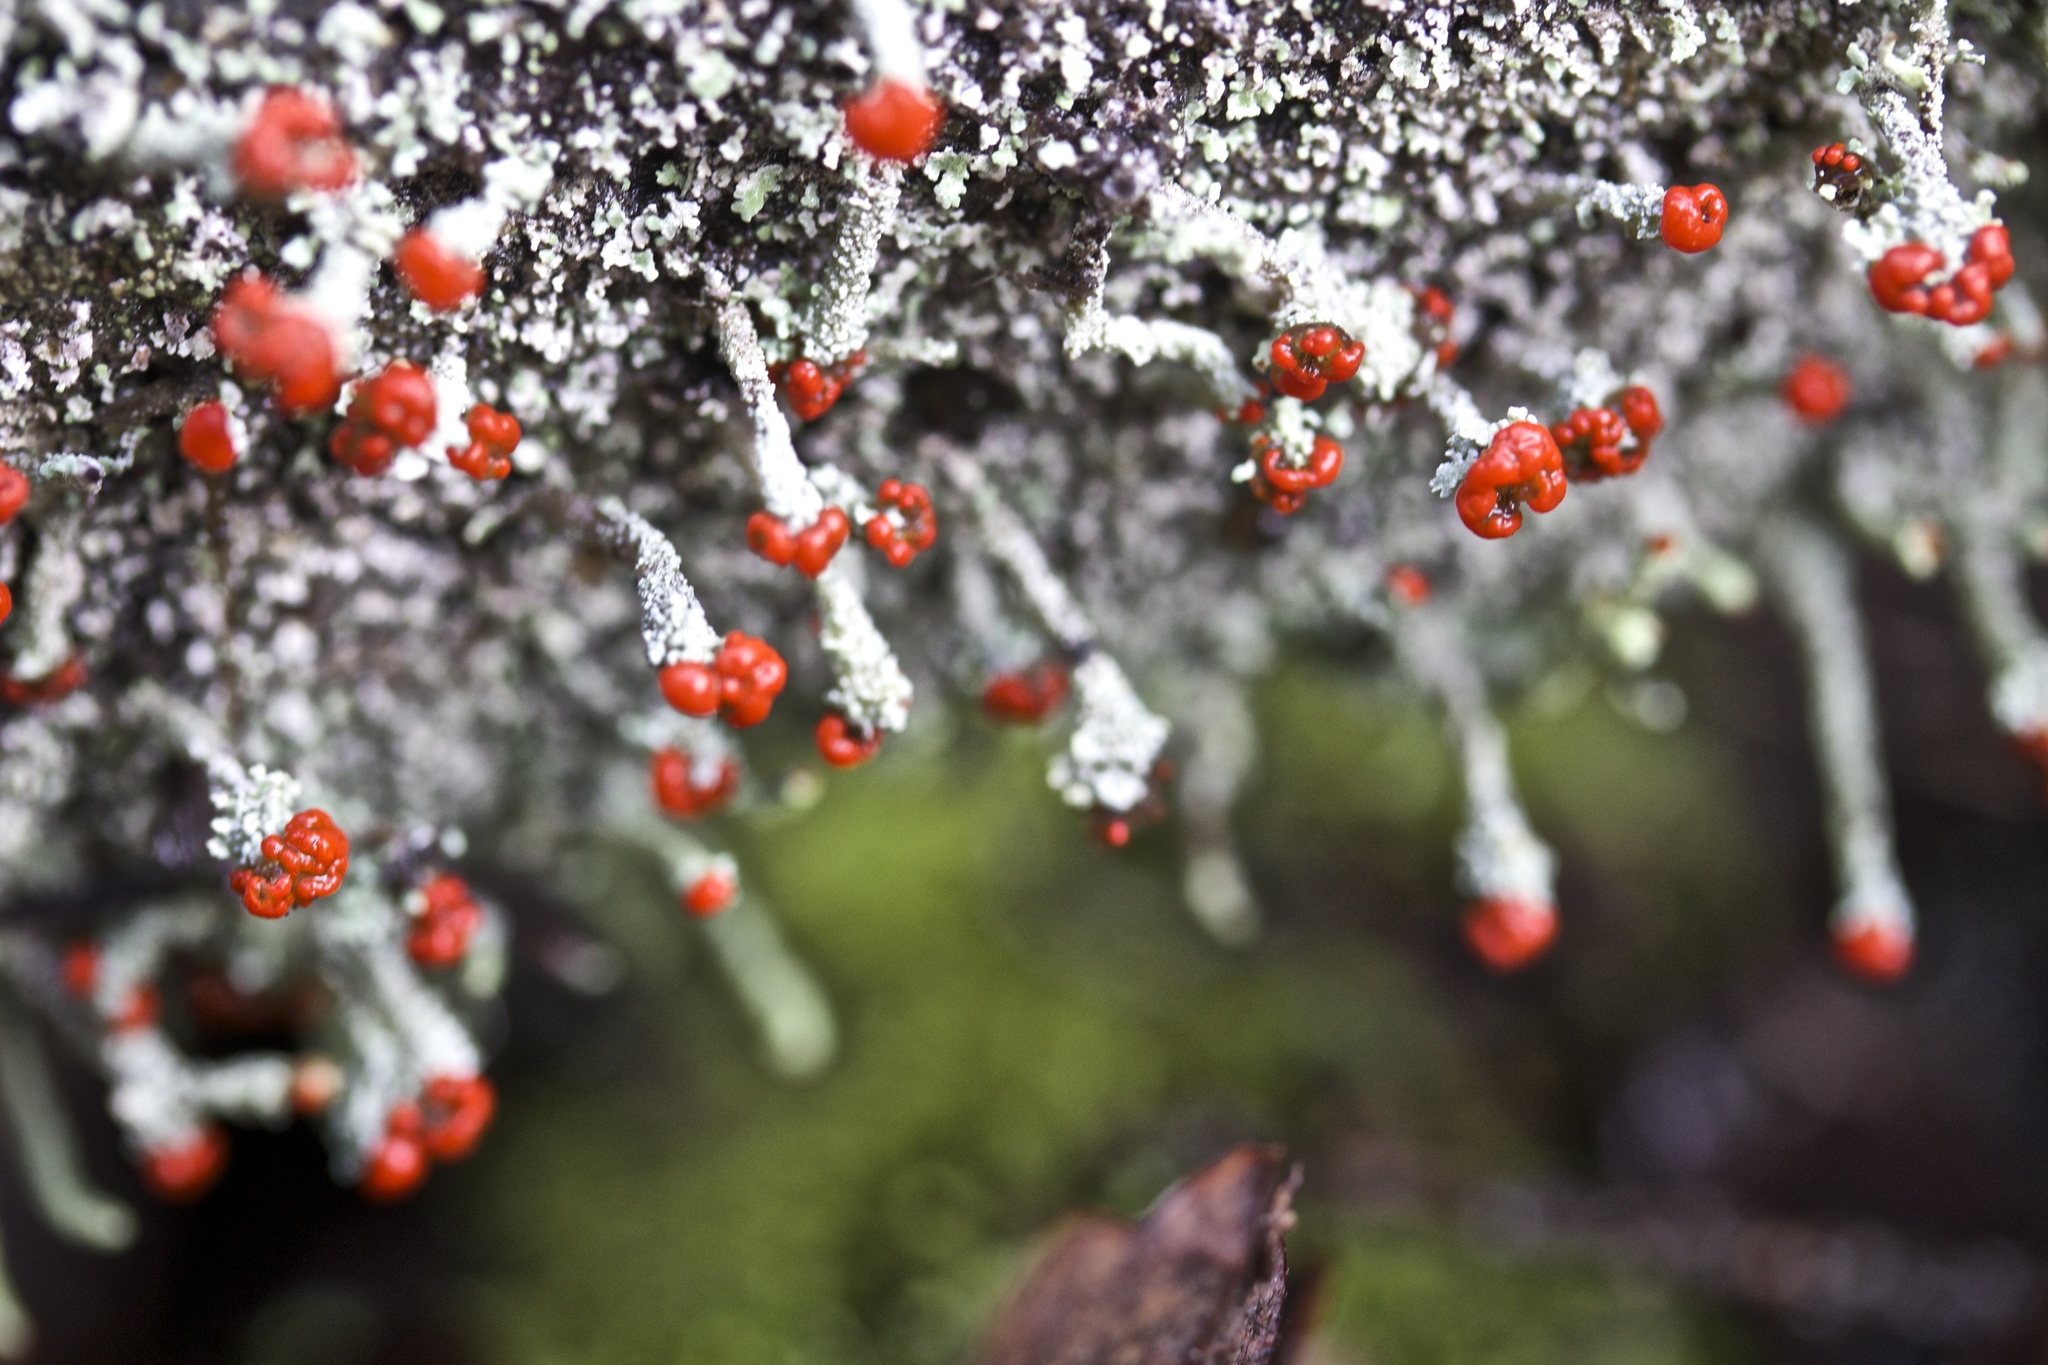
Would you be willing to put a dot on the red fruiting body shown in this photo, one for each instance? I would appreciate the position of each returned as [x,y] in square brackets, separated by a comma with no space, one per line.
[1432,326]
[138,1011]
[1817,389]
[293,142]
[1408,585]
[1991,247]
[1693,217]
[1633,411]
[6,602]
[58,684]
[1308,359]
[843,746]
[812,388]
[13,492]
[1993,353]
[456,1112]
[1521,465]
[710,894]
[442,931]
[399,1164]
[1508,935]
[443,280]
[1114,828]
[1874,952]
[810,549]
[750,675]
[1025,698]
[493,436]
[312,858]
[894,120]
[691,688]
[919,527]
[1285,487]
[275,341]
[1836,167]
[393,410]
[181,1173]
[81,968]
[1898,278]
[677,792]
[206,439]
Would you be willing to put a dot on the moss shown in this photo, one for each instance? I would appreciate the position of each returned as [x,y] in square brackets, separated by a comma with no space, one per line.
[1030,1024]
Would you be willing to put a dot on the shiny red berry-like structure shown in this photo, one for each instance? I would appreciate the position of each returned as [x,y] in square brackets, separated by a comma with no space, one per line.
[1306,360]
[389,412]
[6,602]
[750,676]
[13,492]
[1596,442]
[446,923]
[1874,952]
[1507,934]
[275,341]
[439,277]
[1693,217]
[1025,698]
[843,746]
[1816,389]
[914,529]
[894,120]
[182,1171]
[455,1111]
[206,438]
[810,549]
[677,791]
[1521,466]
[710,894]
[493,436]
[1284,486]
[59,683]
[311,856]
[293,142]
[1899,278]
[811,388]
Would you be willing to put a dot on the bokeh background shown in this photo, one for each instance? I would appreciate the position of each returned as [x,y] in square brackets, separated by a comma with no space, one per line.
[1683,1137]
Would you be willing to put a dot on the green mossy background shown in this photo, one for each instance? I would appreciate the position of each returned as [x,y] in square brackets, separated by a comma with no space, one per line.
[1031,1025]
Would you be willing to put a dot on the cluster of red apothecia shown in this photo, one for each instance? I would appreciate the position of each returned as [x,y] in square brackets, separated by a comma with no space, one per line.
[810,388]
[914,528]
[1285,487]
[1592,440]
[445,920]
[1693,217]
[393,410]
[311,857]
[1026,696]
[444,1125]
[1306,360]
[1521,466]
[739,686]
[673,776]
[1843,171]
[1898,279]
[810,549]
[493,436]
